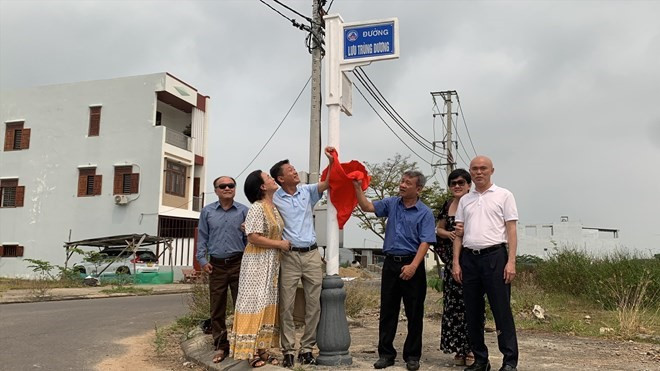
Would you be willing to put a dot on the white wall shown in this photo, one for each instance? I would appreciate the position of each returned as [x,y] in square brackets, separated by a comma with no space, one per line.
[541,239]
[59,117]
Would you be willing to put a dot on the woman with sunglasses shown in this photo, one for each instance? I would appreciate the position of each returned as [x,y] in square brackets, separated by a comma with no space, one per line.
[453,336]
[256,326]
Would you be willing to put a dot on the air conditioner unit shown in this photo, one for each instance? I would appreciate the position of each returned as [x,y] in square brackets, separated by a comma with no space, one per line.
[121,200]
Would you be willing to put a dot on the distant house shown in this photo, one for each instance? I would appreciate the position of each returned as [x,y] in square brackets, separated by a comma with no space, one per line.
[541,239]
[100,158]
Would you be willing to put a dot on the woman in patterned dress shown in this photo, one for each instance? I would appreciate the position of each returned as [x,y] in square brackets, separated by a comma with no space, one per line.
[255,329]
[453,337]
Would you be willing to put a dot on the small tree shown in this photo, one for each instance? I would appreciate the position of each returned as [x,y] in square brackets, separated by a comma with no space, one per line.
[41,267]
[385,178]
[41,288]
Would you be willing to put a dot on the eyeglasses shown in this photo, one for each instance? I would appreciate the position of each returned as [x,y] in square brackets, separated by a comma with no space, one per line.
[455,183]
[227,185]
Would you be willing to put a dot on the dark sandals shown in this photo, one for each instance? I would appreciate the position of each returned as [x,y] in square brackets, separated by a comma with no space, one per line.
[220,355]
[262,358]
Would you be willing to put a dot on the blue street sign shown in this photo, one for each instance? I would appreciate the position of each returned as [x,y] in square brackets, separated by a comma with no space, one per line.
[368,41]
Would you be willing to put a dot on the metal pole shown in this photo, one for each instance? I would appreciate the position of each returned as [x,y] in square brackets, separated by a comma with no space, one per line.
[333,337]
[332,225]
[315,114]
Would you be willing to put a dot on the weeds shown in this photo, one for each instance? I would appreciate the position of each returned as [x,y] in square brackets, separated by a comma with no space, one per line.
[360,296]
[199,300]
[160,339]
[127,290]
[630,303]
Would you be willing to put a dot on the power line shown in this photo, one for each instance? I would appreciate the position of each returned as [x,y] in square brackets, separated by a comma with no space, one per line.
[388,103]
[276,129]
[460,108]
[294,23]
[385,122]
[295,12]
[387,110]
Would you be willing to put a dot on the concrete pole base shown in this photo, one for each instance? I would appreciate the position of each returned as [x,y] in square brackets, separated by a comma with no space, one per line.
[332,336]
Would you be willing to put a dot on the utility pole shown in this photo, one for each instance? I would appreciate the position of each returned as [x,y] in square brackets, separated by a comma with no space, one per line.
[448,144]
[450,157]
[315,116]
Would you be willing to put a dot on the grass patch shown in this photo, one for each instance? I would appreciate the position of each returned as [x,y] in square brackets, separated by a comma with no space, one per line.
[7,284]
[614,296]
[127,290]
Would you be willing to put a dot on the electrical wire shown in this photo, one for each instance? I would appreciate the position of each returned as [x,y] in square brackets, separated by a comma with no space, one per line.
[276,129]
[329,6]
[360,70]
[388,126]
[424,144]
[295,12]
[460,145]
[460,108]
[294,23]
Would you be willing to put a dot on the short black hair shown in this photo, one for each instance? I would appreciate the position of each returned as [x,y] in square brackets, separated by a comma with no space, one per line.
[252,187]
[276,170]
[459,173]
[223,176]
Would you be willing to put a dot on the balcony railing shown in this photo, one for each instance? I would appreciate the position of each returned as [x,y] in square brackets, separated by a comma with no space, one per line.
[178,139]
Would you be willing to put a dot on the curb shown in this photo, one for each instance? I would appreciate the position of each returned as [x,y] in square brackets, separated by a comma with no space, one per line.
[21,300]
[198,350]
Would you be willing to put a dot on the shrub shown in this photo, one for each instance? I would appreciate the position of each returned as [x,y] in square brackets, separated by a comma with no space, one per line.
[575,272]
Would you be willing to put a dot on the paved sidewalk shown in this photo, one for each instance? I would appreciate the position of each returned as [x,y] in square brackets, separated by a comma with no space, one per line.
[77,293]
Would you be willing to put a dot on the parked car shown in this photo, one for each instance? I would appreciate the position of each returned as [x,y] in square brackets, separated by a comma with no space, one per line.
[122,262]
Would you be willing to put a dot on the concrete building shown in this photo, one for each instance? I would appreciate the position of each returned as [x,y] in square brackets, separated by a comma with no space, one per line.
[100,158]
[541,239]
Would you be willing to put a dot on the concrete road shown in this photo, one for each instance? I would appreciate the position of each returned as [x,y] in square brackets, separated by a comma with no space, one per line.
[77,334]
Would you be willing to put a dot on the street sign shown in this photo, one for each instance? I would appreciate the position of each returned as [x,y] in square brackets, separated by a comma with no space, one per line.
[370,41]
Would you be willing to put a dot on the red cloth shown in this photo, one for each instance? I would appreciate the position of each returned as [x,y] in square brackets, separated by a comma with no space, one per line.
[342,192]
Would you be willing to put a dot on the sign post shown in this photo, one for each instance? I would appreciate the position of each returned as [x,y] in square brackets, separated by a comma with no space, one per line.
[348,45]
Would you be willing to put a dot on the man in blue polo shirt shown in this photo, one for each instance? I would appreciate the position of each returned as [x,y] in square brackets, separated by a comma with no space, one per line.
[295,202]
[221,238]
[409,230]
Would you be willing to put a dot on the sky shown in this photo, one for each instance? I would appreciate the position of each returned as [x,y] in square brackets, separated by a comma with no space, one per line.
[564,96]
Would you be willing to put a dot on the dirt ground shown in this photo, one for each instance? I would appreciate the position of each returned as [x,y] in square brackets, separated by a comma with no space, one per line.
[140,355]
[538,351]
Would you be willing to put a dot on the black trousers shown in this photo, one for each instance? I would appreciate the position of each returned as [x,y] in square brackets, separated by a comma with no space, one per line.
[413,292]
[222,277]
[485,274]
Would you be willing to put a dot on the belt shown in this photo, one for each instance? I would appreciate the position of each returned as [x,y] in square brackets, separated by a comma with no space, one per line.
[485,250]
[305,249]
[233,258]
[400,258]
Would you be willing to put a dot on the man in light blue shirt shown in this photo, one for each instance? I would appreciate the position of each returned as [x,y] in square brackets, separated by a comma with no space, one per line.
[409,230]
[220,245]
[295,202]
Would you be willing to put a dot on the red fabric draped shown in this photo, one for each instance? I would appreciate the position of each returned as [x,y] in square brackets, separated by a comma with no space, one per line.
[342,192]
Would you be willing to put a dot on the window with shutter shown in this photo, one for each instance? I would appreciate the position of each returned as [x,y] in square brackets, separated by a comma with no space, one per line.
[16,137]
[89,184]
[11,194]
[125,181]
[94,121]
[11,251]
